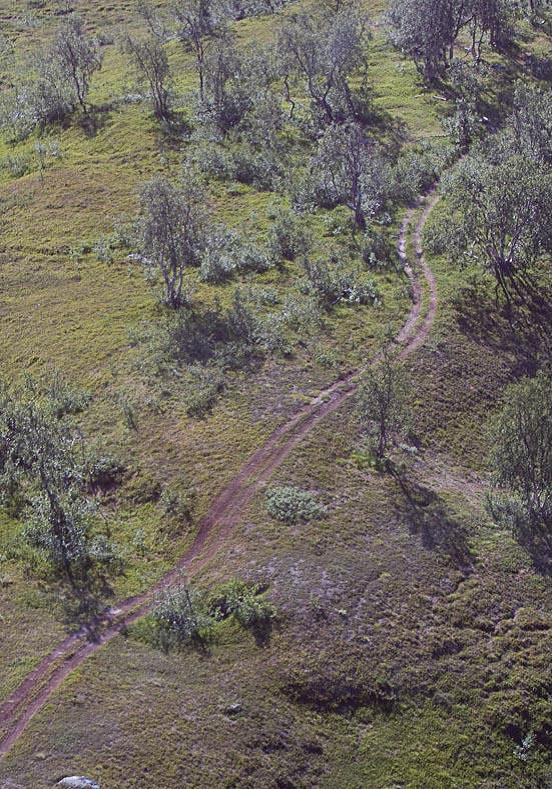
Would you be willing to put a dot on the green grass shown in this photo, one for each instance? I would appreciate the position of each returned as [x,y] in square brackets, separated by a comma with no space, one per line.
[362,601]
[63,309]
[367,598]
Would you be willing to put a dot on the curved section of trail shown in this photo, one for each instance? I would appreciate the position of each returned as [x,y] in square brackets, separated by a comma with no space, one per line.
[35,691]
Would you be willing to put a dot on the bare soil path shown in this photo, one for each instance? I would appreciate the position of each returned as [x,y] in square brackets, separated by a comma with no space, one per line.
[229,506]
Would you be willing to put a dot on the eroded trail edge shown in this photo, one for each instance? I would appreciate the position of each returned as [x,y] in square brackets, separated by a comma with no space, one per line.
[228,507]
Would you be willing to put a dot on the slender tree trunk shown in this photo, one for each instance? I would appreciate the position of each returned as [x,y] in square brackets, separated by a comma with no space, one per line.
[360,219]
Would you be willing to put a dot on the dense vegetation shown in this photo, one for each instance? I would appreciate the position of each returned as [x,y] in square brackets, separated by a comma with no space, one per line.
[201,205]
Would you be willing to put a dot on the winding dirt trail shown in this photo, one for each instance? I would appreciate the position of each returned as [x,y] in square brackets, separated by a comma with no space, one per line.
[227,509]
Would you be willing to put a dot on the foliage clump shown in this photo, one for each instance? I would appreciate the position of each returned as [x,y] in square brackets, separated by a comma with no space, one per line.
[291,505]
[383,393]
[54,83]
[181,618]
[186,617]
[247,604]
[44,477]
[521,460]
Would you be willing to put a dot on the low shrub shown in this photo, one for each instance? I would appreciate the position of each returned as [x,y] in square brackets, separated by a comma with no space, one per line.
[220,258]
[64,399]
[341,688]
[212,160]
[242,600]
[377,251]
[246,604]
[253,167]
[288,237]
[291,505]
[254,258]
[238,161]
[144,488]
[206,385]
[17,164]
[263,297]
[176,504]
[298,314]
[105,472]
[417,169]
[227,254]
[272,335]
[107,244]
[216,267]
[181,619]
[332,284]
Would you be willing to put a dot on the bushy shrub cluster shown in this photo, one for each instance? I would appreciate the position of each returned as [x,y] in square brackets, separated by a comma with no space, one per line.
[186,617]
[245,602]
[180,619]
[288,237]
[291,505]
[331,284]
[53,84]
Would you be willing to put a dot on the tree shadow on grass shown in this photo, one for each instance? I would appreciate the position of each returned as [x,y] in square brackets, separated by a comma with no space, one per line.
[534,535]
[522,331]
[427,515]
[93,121]
[262,631]
[89,609]
[539,547]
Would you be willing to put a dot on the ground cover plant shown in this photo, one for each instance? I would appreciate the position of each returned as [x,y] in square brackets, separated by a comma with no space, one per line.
[274,433]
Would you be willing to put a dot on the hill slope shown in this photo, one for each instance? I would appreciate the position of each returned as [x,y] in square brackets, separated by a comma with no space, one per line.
[412,640]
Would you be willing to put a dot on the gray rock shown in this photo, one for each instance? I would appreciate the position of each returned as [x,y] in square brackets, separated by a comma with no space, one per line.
[78,782]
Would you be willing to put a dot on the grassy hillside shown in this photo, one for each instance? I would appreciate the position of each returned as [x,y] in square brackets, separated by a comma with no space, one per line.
[66,310]
[413,640]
